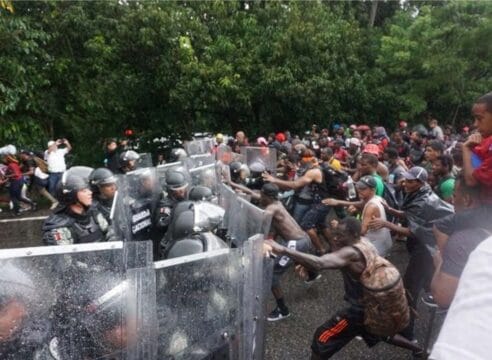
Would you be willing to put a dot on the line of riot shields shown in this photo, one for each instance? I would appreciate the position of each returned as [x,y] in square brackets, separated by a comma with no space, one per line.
[202,297]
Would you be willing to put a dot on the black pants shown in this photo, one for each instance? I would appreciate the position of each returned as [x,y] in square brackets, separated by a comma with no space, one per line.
[418,276]
[15,192]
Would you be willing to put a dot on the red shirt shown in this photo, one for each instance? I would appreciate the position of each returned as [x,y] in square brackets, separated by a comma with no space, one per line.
[13,171]
[483,173]
[341,154]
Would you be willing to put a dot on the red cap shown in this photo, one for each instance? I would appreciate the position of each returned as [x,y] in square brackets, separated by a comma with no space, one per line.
[280,137]
[403,124]
[371,149]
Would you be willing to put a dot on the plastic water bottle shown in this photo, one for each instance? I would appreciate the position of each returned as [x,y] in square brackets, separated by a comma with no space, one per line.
[352,194]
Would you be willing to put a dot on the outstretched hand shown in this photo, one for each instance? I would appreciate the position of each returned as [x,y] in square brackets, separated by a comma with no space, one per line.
[267,177]
[377,223]
[274,247]
[330,202]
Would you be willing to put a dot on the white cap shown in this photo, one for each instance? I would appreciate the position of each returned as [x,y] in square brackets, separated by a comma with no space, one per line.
[50,143]
[355,141]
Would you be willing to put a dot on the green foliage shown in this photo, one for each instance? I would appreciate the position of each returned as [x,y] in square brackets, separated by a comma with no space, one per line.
[89,70]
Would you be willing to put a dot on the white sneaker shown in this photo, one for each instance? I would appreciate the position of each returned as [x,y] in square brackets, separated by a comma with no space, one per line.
[54,205]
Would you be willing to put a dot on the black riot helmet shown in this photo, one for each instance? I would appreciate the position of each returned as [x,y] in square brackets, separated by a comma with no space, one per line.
[72,181]
[99,177]
[200,193]
[177,154]
[98,302]
[175,180]
[235,169]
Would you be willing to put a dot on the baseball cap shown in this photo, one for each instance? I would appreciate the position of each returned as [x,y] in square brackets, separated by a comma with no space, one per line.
[366,182]
[355,141]
[416,173]
[371,149]
[51,142]
[270,190]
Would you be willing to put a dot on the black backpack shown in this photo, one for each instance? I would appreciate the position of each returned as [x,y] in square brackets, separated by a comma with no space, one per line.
[333,183]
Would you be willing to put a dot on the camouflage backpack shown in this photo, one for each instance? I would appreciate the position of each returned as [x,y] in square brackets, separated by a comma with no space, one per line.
[386,310]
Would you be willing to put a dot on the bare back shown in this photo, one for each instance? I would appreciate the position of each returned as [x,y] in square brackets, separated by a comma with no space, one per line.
[283,223]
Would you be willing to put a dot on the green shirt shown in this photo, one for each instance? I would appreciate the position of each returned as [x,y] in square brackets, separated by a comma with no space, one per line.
[379,185]
[446,188]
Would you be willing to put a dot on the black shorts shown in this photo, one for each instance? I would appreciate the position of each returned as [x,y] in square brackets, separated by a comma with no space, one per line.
[283,263]
[315,216]
[337,332]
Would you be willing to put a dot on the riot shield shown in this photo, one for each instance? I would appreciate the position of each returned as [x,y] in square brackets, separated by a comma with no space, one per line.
[134,207]
[145,161]
[246,220]
[205,176]
[224,154]
[202,159]
[258,272]
[175,166]
[77,302]
[260,159]
[202,146]
[198,305]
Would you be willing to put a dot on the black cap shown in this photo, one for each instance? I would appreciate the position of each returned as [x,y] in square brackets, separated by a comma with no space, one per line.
[416,173]
[270,190]
[367,182]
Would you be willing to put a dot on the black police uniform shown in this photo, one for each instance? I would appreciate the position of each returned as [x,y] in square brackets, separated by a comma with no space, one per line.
[66,227]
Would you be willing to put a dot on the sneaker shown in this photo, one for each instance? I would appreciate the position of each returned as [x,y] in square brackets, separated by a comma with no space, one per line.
[313,279]
[276,314]
[428,300]
[54,205]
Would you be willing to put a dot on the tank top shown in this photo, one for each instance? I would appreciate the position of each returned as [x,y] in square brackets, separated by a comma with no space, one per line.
[381,239]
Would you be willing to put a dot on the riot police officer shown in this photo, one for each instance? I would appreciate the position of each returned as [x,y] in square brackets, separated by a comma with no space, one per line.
[128,161]
[75,221]
[24,313]
[177,154]
[103,186]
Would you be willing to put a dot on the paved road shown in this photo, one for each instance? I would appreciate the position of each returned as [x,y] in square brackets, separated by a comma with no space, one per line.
[290,339]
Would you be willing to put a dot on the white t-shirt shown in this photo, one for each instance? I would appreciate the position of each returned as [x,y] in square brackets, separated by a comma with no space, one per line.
[56,160]
[466,332]
[39,174]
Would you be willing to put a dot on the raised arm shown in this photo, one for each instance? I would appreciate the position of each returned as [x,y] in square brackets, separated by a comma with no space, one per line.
[335,260]
[254,194]
[306,179]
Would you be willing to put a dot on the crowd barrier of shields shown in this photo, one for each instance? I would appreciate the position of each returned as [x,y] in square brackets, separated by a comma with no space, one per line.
[111,300]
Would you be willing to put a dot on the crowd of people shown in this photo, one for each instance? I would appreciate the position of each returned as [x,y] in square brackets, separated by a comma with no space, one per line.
[339,198]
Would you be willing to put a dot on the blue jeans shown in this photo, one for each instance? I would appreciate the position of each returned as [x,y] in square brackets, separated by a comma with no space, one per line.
[53,180]
[300,210]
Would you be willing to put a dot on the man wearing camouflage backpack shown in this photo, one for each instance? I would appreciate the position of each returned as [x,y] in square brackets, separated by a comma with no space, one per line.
[377,306]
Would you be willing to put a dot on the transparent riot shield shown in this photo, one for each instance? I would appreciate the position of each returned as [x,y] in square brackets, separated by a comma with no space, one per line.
[205,176]
[239,158]
[202,146]
[258,272]
[77,302]
[202,159]
[145,160]
[135,204]
[175,166]
[246,220]
[224,154]
[198,298]
[260,159]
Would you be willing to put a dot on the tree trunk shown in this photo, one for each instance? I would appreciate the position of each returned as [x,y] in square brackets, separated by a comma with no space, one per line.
[374,10]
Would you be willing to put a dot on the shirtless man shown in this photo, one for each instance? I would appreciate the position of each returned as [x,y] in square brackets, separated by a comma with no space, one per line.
[292,236]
